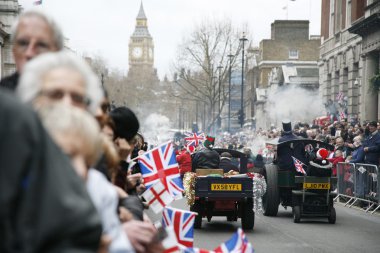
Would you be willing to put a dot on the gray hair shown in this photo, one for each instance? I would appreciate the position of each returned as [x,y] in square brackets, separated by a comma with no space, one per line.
[57,32]
[35,70]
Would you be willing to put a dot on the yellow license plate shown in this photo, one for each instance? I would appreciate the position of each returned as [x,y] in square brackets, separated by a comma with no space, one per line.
[316,186]
[225,187]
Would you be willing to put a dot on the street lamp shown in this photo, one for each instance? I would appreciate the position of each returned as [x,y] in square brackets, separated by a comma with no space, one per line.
[220,86]
[230,56]
[243,40]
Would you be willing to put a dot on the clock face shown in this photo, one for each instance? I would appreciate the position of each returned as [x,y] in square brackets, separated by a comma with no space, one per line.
[137,52]
[150,53]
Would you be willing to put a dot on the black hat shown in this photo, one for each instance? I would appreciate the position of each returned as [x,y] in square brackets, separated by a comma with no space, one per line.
[373,123]
[287,126]
[126,123]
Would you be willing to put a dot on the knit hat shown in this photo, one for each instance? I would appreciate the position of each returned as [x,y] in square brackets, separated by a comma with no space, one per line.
[209,142]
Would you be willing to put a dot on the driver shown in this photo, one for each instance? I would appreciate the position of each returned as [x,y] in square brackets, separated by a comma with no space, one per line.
[285,153]
[206,158]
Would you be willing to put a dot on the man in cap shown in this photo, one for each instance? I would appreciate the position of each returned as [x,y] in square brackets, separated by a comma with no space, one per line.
[206,158]
[34,33]
[372,145]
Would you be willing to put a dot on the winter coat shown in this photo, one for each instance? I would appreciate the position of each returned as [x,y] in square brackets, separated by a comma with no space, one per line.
[373,154]
[227,165]
[10,82]
[184,162]
[44,204]
[206,158]
[358,155]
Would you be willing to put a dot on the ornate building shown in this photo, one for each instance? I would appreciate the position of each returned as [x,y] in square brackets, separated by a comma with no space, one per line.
[349,54]
[141,53]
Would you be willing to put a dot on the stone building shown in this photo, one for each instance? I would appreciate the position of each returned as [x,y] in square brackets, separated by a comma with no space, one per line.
[9,11]
[289,57]
[349,54]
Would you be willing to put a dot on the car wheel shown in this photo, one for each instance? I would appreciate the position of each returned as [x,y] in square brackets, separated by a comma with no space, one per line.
[271,197]
[332,216]
[297,214]
[247,214]
[197,207]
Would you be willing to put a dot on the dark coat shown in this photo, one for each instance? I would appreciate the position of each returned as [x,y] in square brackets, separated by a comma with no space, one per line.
[288,137]
[227,165]
[358,155]
[10,82]
[373,154]
[44,204]
[285,153]
[206,159]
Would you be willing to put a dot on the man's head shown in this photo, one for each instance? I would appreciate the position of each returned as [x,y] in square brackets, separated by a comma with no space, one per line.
[126,123]
[339,142]
[34,33]
[60,77]
[372,126]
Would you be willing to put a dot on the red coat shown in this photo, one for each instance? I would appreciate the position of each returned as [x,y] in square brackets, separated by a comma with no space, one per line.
[184,162]
[335,161]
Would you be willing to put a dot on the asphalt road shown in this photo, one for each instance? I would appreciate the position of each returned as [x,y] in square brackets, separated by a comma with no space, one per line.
[354,231]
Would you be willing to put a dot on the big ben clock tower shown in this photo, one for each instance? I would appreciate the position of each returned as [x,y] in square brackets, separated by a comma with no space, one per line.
[141,50]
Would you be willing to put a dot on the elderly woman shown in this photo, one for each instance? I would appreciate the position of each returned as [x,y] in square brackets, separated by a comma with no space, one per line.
[60,78]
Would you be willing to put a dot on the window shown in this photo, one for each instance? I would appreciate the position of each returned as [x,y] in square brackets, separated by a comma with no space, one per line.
[293,54]
[348,13]
[331,23]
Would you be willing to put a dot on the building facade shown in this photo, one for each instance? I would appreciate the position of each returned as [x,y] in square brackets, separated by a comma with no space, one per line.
[289,57]
[349,55]
[9,11]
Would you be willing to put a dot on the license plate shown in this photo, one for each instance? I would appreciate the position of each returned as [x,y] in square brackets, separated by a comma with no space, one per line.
[225,187]
[316,186]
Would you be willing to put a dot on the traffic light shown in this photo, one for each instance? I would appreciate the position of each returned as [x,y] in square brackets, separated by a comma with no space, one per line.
[241,117]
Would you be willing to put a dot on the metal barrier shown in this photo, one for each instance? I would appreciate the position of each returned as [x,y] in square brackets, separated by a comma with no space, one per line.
[358,182]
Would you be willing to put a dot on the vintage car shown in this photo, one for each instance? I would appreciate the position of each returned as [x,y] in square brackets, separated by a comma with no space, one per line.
[309,196]
[231,197]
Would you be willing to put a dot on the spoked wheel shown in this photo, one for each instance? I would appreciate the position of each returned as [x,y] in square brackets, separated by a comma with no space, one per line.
[332,216]
[297,214]
[271,198]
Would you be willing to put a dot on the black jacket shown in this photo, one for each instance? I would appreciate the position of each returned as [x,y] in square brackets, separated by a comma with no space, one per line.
[227,165]
[44,204]
[206,159]
[373,154]
[10,82]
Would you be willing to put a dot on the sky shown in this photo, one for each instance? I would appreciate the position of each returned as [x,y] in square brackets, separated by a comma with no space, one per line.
[103,27]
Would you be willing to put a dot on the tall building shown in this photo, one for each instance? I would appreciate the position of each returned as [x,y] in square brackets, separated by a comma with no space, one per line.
[141,54]
[349,55]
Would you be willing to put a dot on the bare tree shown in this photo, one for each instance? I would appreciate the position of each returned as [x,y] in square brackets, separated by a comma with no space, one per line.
[202,64]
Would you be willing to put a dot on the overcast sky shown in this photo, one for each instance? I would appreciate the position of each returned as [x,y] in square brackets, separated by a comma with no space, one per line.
[103,27]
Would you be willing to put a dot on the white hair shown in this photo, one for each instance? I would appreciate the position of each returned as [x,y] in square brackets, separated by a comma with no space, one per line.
[31,79]
[64,120]
[57,31]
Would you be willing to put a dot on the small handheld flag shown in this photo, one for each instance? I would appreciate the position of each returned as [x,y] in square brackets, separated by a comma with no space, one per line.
[299,165]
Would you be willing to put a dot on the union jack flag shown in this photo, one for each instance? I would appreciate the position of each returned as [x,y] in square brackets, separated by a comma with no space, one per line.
[299,165]
[194,139]
[182,222]
[339,96]
[342,115]
[196,250]
[160,164]
[238,243]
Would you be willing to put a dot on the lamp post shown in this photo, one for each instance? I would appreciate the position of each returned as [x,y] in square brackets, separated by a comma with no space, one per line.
[230,56]
[243,40]
[220,86]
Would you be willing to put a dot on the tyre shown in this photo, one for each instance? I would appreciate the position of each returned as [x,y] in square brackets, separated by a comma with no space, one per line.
[247,214]
[271,198]
[332,216]
[297,214]
[197,207]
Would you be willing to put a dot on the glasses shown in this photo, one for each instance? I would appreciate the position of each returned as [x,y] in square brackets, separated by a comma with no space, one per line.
[56,95]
